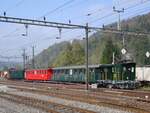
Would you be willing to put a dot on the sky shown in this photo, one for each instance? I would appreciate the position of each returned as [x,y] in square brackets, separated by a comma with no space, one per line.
[95,12]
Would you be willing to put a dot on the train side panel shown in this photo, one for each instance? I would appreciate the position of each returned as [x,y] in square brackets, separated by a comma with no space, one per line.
[39,74]
[16,74]
[143,73]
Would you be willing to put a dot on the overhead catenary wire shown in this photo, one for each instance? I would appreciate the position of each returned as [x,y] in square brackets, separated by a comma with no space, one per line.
[52,11]
[10,33]
[140,11]
[60,7]
[102,17]
[21,1]
[133,6]
[132,13]
[14,6]
[10,9]
[112,13]
[62,25]
[57,8]
[52,36]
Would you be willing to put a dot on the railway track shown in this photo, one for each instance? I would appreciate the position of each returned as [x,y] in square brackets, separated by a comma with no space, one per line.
[44,105]
[121,99]
[124,103]
[131,93]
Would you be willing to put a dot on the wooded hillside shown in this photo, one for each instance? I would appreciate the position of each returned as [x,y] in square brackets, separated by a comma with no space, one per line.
[101,47]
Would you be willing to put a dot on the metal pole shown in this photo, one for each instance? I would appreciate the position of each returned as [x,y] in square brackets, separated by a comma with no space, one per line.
[33,63]
[86,57]
[123,41]
[24,59]
[119,24]
[113,62]
[118,11]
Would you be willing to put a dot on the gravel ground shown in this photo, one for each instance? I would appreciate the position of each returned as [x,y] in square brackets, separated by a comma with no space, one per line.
[82,105]
[10,107]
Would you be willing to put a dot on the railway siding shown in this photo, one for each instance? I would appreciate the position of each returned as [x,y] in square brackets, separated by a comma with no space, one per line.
[119,99]
[87,108]
[7,106]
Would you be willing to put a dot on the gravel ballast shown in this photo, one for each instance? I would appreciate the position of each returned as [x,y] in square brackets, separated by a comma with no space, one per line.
[77,104]
[10,107]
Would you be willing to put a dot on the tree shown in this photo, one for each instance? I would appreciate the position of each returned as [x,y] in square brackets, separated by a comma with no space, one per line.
[65,57]
[141,46]
[78,53]
[107,54]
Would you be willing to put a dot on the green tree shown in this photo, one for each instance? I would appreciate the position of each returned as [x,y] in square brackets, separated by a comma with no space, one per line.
[107,54]
[141,46]
[65,57]
[78,53]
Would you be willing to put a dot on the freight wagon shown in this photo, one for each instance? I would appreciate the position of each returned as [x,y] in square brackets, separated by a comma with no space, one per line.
[143,75]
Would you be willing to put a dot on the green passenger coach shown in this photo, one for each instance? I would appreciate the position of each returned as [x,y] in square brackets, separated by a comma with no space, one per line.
[113,72]
[75,73]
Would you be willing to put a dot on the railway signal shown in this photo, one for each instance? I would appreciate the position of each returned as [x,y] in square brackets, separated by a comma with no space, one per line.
[147,54]
[123,51]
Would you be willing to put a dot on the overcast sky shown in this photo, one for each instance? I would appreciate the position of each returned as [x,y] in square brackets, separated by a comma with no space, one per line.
[12,42]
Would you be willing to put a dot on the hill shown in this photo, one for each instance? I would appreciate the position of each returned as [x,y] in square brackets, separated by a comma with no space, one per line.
[101,46]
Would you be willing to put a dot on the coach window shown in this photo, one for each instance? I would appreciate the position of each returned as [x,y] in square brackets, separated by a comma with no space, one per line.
[132,69]
[80,72]
[58,71]
[124,68]
[63,71]
[75,71]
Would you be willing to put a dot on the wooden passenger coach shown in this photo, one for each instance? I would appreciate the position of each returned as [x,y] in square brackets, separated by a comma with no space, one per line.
[117,75]
[124,71]
[39,74]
